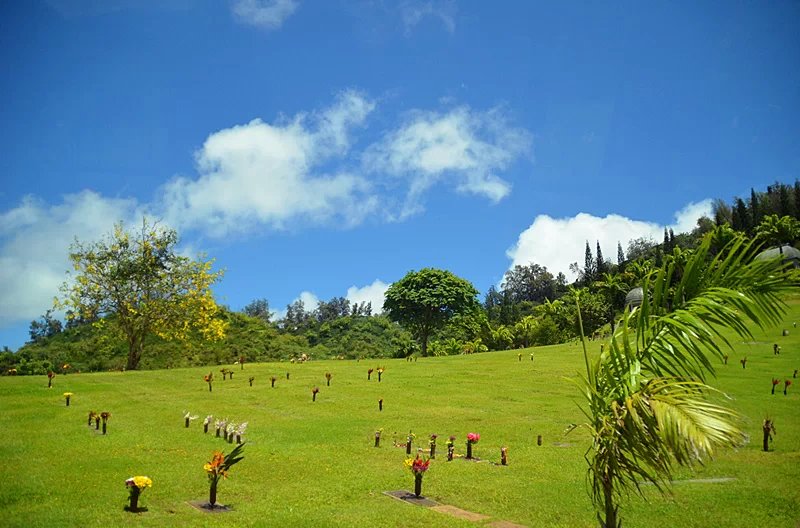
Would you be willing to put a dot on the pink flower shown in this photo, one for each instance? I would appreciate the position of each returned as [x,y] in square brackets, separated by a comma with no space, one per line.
[473,438]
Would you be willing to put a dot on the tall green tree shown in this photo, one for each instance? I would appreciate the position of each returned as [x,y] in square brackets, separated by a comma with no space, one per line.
[589,266]
[620,255]
[425,300]
[600,266]
[141,286]
[258,308]
[44,327]
[777,231]
[647,401]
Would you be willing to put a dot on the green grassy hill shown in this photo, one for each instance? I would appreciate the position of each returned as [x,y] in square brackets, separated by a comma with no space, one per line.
[314,464]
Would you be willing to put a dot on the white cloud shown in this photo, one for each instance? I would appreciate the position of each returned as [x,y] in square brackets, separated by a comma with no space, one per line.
[372,293]
[34,247]
[310,301]
[413,12]
[266,14]
[260,173]
[463,147]
[558,242]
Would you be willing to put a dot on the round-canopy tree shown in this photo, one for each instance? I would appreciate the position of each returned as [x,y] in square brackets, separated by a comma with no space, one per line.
[139,284]
[425,300]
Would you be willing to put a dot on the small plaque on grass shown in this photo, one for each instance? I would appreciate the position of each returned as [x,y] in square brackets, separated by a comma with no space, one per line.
[205,507]
[407,496]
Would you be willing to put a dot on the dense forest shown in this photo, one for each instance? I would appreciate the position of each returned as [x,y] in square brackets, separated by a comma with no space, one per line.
[531,307]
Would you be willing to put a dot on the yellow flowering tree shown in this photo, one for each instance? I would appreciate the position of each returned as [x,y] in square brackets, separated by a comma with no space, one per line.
[140,284]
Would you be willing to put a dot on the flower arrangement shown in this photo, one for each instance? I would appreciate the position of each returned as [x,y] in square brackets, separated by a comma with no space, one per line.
[409,440]
[50,376]
[743,361]
[314,392]
[206,422]
[273,379]
[229,432]
[378,434]
[224,373]
[380,372]
[251,379]
[209,378]
[328,376]
[786,386]
[775,381]
[241,362]
[451,447]
[380,404]
[472,438]
[503,456]
[369,374]
[220,425]
[67,396]
[188,417]
[218,468]
[105,415]
[432,444]
[418,467]
[92,414]
[135,487]
[240,431]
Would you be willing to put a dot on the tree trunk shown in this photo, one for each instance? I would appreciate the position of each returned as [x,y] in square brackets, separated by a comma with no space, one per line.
[134,353]
[608,501]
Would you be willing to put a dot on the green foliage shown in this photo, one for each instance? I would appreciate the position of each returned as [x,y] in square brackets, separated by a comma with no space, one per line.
[146,286]
[425,300]
[647,402]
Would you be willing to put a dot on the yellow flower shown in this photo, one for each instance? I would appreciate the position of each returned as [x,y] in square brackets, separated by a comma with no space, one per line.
[142,482]
[409,462]
[67,394]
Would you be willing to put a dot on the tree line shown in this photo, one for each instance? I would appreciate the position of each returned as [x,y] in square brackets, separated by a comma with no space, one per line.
[133,290]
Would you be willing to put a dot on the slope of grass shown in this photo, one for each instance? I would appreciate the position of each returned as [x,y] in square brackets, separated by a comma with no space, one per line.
[314,464]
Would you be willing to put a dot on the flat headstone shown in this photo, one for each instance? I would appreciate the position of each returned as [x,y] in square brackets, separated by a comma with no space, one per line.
[410,498]
[459,513]
[205,507]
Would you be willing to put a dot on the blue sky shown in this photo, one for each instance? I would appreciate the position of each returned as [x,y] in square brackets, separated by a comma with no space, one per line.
[321,149]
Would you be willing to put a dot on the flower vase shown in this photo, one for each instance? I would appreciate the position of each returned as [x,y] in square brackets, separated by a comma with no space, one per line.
[205,428]
[418,485]
[469,449]
[97,424]
[450,450]
[212,494]
[134,498]
[433,449]
[104,428]
[67,398]
[408,447]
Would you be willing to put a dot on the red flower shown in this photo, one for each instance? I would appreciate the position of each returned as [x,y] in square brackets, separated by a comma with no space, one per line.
[473,438]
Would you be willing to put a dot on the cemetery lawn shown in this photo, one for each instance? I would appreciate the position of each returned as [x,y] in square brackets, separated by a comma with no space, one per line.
[314,464]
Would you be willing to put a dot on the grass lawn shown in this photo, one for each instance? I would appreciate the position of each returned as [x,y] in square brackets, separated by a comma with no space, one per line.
[313,463]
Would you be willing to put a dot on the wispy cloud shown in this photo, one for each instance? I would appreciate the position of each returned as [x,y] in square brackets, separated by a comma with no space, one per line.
[298,171]
[34,247]
[558,242]
[265,14]
[462,147]
[261,174]
[413,12]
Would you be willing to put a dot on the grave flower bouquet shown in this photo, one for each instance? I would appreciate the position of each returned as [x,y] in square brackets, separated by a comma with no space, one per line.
[418,467]
[135,487]
[218,468]
[472,438]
